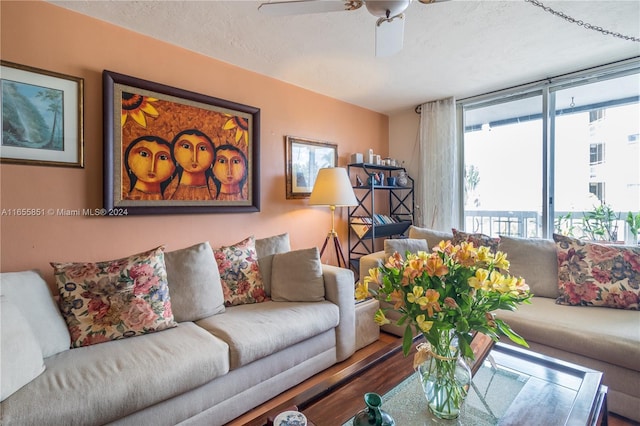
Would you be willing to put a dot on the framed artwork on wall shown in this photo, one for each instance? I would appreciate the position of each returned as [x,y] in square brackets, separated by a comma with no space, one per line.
[168,150]
[42,117]
[304,158]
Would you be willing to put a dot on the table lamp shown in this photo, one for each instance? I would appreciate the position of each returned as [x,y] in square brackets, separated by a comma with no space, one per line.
[333,188]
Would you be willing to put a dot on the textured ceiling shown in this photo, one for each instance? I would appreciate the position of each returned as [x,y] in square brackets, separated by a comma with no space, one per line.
[454,48]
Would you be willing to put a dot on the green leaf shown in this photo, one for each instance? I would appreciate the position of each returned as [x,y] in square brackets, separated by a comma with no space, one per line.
[507,331]
[402,320]
[407,340]
[465,349]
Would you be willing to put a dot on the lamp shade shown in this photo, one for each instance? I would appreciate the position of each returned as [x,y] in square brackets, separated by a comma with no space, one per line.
[332,188]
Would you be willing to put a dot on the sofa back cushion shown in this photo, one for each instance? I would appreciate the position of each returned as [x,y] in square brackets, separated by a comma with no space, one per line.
[266,248]
[194,283]
[433,237]
[114,299]
[591,274]
[535,260]
[297,276]
[20,353]
[31,295]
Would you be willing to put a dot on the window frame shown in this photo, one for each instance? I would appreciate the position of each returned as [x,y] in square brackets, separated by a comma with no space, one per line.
[547,89]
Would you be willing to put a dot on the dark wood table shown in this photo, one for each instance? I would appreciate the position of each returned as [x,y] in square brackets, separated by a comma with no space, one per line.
[554,392]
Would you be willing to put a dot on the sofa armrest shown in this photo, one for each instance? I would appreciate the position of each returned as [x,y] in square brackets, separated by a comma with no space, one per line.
[370,261]
[339,287]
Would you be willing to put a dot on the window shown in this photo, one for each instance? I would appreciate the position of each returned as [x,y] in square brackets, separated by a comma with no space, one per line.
[597,189]
[539,158]
[503,165]
[596,115]
[596,153]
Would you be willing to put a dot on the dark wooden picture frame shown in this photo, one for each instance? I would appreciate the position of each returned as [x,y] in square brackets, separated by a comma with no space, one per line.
[304,157]
[172,151]
[42,117]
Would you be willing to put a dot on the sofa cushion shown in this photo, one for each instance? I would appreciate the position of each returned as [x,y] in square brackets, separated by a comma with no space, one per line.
[240,273]
[402,245]
[433,237]
[102,383]
[297,276]
[194,283]
[31,295]
[477,239]
[593,274]
[20,353]
[114,299]
[535,260]
[266,248]
[610,335]
[254,331]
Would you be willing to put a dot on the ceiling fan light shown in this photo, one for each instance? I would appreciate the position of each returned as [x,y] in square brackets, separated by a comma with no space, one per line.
[386,8]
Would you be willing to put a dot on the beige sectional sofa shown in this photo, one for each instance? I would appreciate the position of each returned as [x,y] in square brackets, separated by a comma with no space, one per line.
[601,338]
[216,364]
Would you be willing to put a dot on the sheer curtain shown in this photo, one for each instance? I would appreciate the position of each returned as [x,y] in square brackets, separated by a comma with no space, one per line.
[438,172]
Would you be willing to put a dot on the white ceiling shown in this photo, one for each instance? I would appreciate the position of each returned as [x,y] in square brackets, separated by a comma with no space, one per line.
[454,48]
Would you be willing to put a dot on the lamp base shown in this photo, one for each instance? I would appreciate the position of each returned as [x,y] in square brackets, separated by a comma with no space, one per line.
[332,235]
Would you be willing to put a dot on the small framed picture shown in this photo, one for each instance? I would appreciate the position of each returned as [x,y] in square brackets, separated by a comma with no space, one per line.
[304,158]
[42,117]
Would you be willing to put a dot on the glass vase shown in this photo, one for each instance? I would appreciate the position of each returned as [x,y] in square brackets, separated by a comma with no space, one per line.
[445,377]
[402,179]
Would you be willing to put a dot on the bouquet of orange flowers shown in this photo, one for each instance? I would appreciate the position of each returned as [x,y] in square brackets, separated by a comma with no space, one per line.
[453,290]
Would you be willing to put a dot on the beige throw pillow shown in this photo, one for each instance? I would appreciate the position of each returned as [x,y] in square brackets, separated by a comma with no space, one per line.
[265,249]
[402,245]
[194,283]
[535,260]
[20,353]
[297,276]
[433,237]
[31,295]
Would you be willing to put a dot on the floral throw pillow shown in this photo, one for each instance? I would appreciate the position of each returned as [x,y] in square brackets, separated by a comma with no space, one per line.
[477,240]
[115,299]
[240,274]
[591,274]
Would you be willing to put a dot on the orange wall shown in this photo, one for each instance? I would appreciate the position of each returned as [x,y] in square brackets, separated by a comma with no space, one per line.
[45,36]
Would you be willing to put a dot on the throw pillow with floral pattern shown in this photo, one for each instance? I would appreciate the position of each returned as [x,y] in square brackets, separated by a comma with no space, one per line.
[240,274]
[477,240]
[115,299]
[591,274]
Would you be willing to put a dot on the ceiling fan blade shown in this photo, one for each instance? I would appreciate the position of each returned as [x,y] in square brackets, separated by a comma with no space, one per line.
[389,35]
[301,7]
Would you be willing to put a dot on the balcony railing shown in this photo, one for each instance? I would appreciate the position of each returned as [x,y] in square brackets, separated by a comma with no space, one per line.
[528,224]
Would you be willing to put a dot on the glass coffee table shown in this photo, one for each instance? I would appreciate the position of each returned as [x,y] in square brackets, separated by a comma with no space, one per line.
[511,387]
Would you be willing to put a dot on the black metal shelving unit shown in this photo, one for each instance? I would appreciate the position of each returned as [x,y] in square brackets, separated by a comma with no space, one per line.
[400,205]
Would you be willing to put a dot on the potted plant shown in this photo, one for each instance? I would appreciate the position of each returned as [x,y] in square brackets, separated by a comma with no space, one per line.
[633,227]
[601,224]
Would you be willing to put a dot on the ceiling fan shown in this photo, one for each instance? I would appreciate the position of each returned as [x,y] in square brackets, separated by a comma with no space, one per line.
[390,13]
